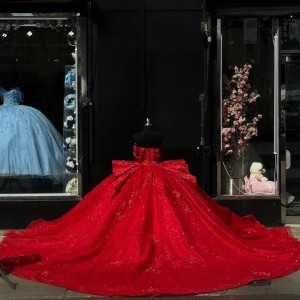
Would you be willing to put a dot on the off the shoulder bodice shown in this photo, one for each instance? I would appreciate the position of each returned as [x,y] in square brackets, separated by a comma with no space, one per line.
[11,97]
[152,155]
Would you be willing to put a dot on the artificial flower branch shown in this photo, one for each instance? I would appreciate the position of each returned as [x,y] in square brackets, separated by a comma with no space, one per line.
[238,128]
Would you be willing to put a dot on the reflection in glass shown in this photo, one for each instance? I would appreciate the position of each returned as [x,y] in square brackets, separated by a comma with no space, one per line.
[290,100]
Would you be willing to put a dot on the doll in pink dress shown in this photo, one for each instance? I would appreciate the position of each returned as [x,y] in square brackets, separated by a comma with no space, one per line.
[257,183]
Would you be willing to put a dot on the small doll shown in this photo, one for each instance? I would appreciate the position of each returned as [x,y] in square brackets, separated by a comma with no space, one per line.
[257,183]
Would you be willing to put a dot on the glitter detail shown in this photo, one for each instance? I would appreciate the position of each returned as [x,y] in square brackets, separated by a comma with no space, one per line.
[148,229]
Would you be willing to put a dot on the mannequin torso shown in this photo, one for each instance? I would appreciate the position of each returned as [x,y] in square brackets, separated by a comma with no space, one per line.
[148,138]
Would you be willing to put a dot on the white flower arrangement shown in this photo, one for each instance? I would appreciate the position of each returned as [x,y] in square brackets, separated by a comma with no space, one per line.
[70,144]
[70,122]
[71,164]
[72,186]
[70,101]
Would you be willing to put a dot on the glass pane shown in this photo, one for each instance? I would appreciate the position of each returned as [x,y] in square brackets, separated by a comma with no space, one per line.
[248,150]
[38,105]
[290,99]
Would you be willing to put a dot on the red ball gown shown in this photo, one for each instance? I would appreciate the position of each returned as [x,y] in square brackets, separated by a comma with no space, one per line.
[148,229]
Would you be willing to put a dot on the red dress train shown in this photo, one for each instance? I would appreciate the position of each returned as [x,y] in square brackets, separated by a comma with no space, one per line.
[148,229]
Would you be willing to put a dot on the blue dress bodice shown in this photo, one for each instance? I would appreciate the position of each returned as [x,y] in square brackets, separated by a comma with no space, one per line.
[11,97]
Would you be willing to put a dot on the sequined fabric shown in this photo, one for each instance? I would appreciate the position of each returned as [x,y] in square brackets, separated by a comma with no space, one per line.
[11,97]
[148,229]
[29,143]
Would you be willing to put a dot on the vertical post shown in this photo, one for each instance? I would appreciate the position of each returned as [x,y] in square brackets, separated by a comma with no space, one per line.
[276,100]
[280,166]
[143,27]
[219,65]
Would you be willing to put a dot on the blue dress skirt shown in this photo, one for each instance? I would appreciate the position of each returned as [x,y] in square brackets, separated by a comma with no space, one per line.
[29,143]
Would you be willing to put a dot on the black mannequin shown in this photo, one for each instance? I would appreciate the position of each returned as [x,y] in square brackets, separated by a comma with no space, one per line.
[148,137]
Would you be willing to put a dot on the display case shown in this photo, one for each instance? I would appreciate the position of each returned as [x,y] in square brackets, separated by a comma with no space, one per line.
[40,80]
[248,139]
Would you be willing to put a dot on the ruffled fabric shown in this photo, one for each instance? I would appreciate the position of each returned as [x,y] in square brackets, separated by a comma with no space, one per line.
[29,143]
[257,186]
[148,229]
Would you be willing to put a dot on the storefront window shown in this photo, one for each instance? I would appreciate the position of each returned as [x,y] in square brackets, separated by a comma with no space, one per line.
[290,99]
[39,105]
[248,142]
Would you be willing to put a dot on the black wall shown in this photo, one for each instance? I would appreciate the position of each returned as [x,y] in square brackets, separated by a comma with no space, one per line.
[148,63]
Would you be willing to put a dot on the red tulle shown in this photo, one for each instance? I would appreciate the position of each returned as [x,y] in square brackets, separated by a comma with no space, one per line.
[148,229]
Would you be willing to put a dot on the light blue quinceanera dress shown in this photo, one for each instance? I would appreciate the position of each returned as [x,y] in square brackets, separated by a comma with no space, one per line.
[29,143]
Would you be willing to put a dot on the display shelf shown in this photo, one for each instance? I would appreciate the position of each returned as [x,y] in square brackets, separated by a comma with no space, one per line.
[70,136]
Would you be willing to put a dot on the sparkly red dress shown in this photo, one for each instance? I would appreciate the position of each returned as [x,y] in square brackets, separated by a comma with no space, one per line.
[148,229]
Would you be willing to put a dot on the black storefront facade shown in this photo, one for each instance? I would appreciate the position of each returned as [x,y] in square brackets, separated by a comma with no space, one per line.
[165,60]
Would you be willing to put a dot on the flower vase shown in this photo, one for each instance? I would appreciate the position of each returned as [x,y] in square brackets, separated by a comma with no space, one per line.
[233,172]
[232,186]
